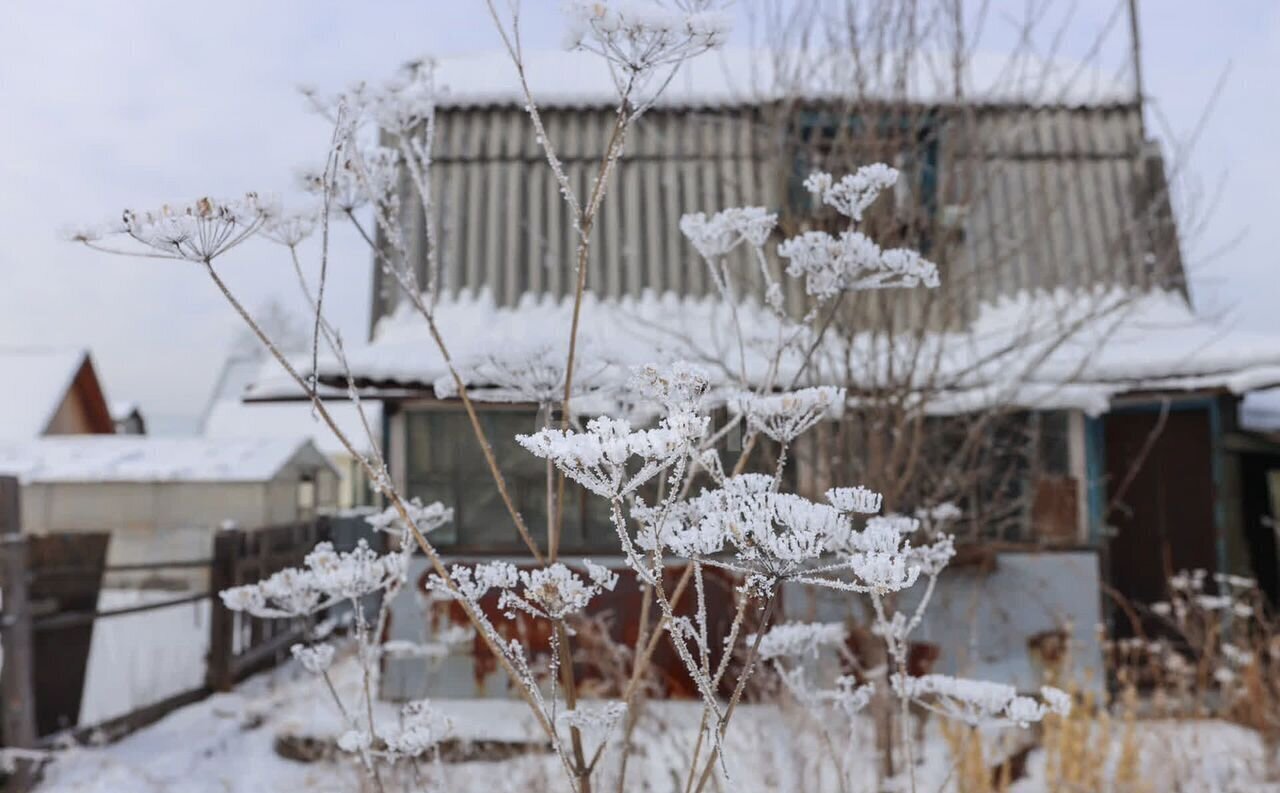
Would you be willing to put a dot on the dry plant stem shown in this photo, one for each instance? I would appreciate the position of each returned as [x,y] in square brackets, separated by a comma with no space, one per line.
[586,221]
[745,456]
[568,681]
[397,502]
[697,751]
[482,438]
[721,668]
[770,603]
[817,340]
[324,255]
[641,666]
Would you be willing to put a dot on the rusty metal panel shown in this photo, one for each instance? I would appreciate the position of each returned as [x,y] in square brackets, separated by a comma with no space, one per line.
[613,618]
[1055,510]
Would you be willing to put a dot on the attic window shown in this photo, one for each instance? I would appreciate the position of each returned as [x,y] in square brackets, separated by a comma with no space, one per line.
[840,143]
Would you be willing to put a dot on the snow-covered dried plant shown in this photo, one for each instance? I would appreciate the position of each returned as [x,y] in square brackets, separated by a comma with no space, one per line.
[599,458]
[549,592]
[794,639]
[531,373]
[1217,652]
[197,231]
[678,388]
[422,728]
[856,499]
[316,658]
[980,702]
[743,524]
[555,592]
[786,416]
[427,518]
[851,261]
[644,40]
[327,577]
[361,176]
[290,227]
[719,234]
[852,194]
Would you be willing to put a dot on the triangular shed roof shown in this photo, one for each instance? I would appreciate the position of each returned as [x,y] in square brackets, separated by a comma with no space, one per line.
[40,382]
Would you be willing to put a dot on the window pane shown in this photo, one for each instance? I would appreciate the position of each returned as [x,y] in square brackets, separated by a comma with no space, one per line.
[445,463]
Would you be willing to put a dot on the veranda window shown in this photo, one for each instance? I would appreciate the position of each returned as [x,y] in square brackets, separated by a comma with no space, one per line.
[445,463]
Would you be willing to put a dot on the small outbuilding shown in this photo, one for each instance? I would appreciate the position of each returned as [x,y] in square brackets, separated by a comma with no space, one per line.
[162,499]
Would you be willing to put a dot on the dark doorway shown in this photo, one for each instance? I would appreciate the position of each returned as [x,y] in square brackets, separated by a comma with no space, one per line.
[1160,499]
[1260,496]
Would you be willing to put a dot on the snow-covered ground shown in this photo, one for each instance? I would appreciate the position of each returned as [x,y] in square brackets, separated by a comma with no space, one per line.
[227,744]
[138,659]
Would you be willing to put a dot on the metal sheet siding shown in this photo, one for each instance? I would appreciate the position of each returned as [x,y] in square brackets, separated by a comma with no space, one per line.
[1050,197]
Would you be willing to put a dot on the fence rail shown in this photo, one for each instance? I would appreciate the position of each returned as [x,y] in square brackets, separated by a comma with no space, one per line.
[51,586]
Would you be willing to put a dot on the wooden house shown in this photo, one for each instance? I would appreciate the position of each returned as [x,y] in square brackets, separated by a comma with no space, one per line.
[1034,203]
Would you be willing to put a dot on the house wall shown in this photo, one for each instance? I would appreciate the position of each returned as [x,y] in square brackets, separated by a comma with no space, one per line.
[982,620]
[150,522]
[163,521]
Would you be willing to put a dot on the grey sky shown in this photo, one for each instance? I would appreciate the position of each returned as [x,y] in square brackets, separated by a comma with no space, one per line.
[106,105]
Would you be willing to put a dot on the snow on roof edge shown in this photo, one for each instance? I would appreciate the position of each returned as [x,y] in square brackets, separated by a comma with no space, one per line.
[1129,342]
[741,76]
[79,459]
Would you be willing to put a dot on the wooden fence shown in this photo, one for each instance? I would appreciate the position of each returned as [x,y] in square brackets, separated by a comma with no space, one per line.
[239,644]
[50,587]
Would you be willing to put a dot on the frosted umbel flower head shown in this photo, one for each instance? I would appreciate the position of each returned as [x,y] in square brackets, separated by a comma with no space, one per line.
[784,417]
[771,534]
[551,592]
[198,231]
[979,702]
[361,176]
[316,659]
[289,228]
[796,639]
[533,372]
[855,499]
[851,261]
[852,194]
[400,105]
[722,232]
[638,37]
[426,518]
[598,458]
[326,577]
[678,387]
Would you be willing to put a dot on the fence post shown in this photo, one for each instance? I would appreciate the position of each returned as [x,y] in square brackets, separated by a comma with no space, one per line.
[220,676]
[17,679]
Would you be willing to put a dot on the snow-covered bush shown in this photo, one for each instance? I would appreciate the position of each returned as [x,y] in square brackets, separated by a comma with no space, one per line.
[739,521]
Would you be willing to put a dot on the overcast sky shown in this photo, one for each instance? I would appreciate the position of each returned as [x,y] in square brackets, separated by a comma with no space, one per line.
[131,103]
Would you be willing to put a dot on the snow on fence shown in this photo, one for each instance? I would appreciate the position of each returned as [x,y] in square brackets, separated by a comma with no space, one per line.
[101,661]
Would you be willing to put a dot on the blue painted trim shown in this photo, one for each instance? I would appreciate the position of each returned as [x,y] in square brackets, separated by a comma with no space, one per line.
[1095,471]
[1218,463]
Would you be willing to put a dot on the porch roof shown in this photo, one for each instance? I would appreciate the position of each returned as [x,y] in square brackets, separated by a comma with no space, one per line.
[1036,350]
